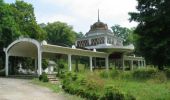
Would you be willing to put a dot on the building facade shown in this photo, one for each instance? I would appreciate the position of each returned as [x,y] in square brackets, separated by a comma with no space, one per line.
[100,38]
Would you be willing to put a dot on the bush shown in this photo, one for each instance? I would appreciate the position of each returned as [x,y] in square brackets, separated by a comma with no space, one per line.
[114,73]
[43,77]
[160,77]
[167,71]
[144,73]
[104,74]
[112,93]
[91,88]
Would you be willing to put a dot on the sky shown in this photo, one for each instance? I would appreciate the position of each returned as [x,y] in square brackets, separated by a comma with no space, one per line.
[80,14]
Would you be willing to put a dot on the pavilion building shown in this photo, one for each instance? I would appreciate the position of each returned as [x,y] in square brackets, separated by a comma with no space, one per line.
[100,38]
[100,45]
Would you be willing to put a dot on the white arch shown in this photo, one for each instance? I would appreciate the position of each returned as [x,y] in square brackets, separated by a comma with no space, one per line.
[35,42]
[39,56]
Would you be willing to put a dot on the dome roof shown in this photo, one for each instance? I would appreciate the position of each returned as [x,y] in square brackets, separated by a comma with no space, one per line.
[98,26]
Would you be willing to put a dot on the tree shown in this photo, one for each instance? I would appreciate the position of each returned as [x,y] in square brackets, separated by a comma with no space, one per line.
[16,20]
[60,34]
[79,35]
[9,29]
[153,31]
[24,16]
[122,32]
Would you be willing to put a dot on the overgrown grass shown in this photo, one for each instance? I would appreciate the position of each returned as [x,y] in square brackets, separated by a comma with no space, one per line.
[143,90]
[143,84]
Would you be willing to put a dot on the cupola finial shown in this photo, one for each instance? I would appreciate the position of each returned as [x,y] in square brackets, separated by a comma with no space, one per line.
[98,16]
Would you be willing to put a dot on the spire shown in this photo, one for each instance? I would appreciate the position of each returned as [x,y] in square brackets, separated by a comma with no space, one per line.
[98,16]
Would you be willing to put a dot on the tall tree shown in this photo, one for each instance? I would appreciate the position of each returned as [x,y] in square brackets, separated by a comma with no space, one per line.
[15,20]
[153,30]
[122,32]
[9,29]
[24,16]
[79,35]
[60,34]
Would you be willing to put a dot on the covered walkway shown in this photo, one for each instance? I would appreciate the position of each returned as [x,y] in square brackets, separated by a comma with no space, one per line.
[26,47]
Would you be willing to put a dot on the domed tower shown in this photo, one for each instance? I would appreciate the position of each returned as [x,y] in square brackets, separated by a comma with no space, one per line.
[99,36]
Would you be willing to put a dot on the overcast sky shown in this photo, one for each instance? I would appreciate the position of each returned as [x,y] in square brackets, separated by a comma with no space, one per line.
[82,13]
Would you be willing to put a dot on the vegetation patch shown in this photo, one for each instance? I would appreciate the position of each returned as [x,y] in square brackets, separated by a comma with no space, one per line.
[118,85]
[92,87]
[43,77]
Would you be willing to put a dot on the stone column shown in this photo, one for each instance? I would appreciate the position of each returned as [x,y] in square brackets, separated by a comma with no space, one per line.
[69,62]
[91,65]
[89,42]
[105,40]
[144,63]
[39,62]
[6,63]
[138,64]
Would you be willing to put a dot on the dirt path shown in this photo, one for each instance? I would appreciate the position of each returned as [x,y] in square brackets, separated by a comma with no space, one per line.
[20,89]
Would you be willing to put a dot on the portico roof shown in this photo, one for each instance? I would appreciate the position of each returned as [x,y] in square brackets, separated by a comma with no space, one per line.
[26,47]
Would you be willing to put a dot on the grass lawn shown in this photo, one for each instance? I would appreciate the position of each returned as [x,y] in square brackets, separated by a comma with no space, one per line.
[147,89]
[144,90]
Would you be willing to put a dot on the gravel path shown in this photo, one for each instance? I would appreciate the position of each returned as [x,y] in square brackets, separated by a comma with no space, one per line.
[21,89]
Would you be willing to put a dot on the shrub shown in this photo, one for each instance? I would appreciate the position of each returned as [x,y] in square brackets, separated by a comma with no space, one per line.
[92,88]
[43,77]
[104,74]
[144,73]
[126,75]
[112,93]
[160,77]
[114,73]
[167,71]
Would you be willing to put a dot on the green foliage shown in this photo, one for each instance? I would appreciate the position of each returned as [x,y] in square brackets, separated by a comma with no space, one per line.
[153,31]
[17,20]
[104,74]
[43,77]
[45,63]
[91,88]
[111,93]
[144,73]
[60,68]
[125,33]
[23,14]
[160,77]
[79,35]
[167,71]
[60,34]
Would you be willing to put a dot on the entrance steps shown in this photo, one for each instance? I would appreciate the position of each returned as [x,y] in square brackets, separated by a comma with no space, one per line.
[52,78]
